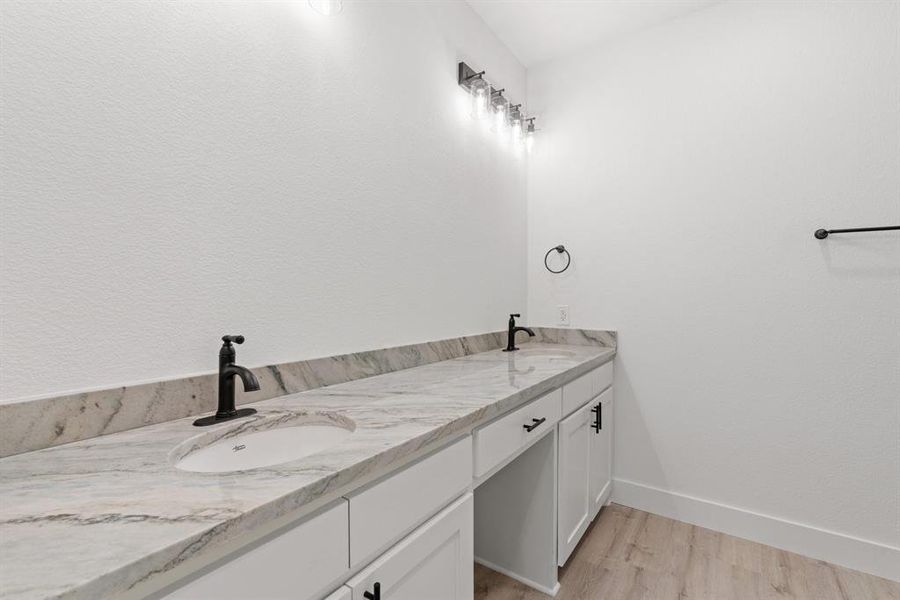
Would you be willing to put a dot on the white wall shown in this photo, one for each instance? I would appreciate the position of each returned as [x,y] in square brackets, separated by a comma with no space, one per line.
[686,168]
[175,171]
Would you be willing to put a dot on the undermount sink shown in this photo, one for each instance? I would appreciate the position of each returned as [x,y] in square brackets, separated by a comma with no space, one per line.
[546,352]
[262,442]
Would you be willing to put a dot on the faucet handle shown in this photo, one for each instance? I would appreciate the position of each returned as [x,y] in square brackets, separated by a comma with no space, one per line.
[516,315]
[237,339]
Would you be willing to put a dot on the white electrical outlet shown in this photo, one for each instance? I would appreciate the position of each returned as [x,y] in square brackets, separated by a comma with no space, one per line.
[562,314]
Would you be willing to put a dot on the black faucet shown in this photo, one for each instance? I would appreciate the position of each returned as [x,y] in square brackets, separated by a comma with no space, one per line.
[227,372]
[511,336]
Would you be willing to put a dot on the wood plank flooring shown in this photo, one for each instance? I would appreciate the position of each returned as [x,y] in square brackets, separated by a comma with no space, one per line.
[629,554]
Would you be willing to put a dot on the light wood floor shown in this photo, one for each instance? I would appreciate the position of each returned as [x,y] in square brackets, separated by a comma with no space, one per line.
[629,554]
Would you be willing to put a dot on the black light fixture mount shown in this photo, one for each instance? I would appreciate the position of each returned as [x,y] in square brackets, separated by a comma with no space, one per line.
[466,74]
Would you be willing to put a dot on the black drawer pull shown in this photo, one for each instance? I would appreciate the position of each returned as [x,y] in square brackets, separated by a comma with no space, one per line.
[598,424]
[534,424]
[375,594]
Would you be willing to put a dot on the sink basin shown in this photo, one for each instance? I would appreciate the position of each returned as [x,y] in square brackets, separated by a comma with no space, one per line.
[545,352]
[261,443]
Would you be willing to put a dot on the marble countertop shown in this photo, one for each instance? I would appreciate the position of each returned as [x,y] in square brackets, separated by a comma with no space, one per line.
[96,518]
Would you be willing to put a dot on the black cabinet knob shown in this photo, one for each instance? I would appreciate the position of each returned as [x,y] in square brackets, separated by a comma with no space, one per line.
[375,594]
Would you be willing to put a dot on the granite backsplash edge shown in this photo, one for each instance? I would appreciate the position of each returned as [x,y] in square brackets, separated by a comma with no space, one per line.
[35,424]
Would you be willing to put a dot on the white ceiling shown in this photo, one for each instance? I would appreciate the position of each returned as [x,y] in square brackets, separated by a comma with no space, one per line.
[540,30]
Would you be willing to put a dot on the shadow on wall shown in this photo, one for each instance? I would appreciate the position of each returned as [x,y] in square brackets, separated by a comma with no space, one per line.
[628,409]
[867,256]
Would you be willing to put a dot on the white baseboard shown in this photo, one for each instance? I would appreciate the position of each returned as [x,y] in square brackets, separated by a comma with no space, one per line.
[847,551]
[532,584]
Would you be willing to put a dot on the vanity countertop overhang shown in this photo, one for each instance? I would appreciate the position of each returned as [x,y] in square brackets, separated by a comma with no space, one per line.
[95,518]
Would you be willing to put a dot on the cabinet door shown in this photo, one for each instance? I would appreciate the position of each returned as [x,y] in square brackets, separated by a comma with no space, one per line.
[434,562]
[573,514]
[601,451]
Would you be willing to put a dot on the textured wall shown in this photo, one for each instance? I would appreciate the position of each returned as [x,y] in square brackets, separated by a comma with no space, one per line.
[175,171]
[686,168]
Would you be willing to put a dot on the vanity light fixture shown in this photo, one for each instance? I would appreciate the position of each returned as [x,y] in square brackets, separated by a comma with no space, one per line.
[479,89]
[327,7]
[529,134]
[516,119]
[487,100]
[500,108]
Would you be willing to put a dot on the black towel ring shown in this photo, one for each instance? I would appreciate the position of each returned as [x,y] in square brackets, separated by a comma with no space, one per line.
[560,249]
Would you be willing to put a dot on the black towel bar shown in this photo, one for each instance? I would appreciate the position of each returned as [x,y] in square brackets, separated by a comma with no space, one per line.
[821,234]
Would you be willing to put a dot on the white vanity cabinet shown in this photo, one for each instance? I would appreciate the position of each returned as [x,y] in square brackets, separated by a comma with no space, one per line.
[584,457]
[600,473]
[539,474]
[573,504]
[434,562]
[306,560]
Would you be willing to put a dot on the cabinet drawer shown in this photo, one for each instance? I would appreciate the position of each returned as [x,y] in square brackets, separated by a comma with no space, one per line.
[501,439]
[390,509]
[298,563]
[601,378]
[344,593]
[579,391]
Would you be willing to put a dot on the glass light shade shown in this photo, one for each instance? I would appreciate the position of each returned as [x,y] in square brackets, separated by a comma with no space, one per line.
[529,137]
[480,92]
[515,126]
[500,109]
[327,7]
